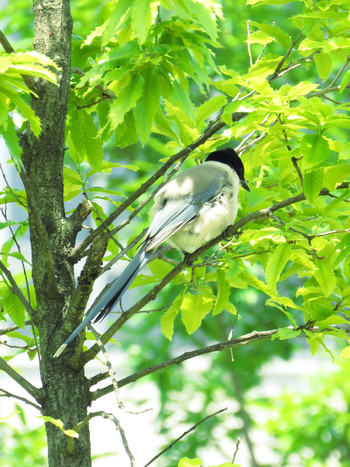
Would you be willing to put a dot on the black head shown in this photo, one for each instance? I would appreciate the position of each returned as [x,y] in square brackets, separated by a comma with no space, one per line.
[230,157]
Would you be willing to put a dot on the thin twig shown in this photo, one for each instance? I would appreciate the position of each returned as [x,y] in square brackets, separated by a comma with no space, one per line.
[236,450]
[340,72]
[248,45]
[32,390]
[114,419]
[284,58]
[218,347]
[109,366]
[23,399]
[182,436]
[253,336]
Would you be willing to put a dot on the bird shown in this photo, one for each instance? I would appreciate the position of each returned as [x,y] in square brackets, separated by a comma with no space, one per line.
[191,209]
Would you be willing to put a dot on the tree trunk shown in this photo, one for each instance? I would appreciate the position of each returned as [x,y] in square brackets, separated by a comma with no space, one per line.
[65,391]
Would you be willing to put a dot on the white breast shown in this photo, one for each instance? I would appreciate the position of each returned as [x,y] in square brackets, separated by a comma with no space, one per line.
[213,218]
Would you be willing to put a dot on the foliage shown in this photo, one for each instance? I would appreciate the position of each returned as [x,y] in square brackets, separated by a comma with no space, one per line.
[22,445]
[320,417]
[150,78]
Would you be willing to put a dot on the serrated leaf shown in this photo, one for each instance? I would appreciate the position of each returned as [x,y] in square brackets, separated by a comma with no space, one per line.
[325,276]
[205,110]
[223,293]
[84,137]
[313,183]
[336,175]
[126,100]
[273,31]
[14,308]
[301,89]
[148,104]
[167,320]
[10,136]
[25,110]
[195,307]
[141,19]
[207,19]
[259,37]
[126,133]
[315,149]
[314,340]
[324,65]
[276,263]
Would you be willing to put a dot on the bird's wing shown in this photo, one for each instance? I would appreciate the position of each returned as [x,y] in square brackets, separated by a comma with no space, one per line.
[177,212]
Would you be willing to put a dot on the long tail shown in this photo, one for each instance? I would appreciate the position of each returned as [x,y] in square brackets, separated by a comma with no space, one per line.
[113,295]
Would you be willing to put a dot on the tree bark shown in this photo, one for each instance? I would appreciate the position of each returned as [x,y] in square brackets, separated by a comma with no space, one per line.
[65,391]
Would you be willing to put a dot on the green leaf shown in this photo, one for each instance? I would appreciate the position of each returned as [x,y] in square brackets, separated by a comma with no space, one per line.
[286,333]
[141,19]
[126,100]
[315,149]
[274,31]
[70,433]
[276,263]
[336,175]
[147,105]
[345,353]
[345,81]
[126,133]
[195,307]
[325,276]
[4,419]
[223,294]
[313,183]
[13,307]
[26,111]
[205,110]
[301,89]
[167,320]
[5,63]
[9,134]
[84,137]
[186,462]
[324,65]
[207,19]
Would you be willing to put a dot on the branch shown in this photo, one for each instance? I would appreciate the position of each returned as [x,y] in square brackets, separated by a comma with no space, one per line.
[12,328]
[253,336]
[239,341]
[32,390]
[114,419]
[111,373]
[182,436]
[23,399]
[17,291]
[281,63]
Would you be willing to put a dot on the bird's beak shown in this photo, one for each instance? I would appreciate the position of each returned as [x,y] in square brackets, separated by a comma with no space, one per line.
[245,185]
